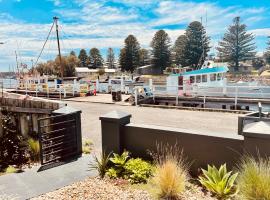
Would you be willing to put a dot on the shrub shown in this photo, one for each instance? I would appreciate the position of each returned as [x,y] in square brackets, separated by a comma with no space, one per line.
[220,182]
[137,170]
[10,169]
[101,164]
[118,162]
[86,147]
[254,178]
[13,146]
[171,174]
[34,149]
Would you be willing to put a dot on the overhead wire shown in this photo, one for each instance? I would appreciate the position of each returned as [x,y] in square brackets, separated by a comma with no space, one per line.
[45,43]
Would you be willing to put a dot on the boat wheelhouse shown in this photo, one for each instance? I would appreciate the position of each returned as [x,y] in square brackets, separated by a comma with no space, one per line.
[206,77]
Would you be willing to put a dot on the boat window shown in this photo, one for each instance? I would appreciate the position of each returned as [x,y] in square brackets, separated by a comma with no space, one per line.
[219,76]
[198,78]
[204,78]
[213,77]
[192,79]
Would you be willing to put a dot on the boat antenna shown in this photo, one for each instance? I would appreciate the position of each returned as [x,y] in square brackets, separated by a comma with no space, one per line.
[59,50]
[17,63]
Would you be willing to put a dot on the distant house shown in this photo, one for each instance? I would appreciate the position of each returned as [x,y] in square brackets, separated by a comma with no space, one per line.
[244,68]
[82,72]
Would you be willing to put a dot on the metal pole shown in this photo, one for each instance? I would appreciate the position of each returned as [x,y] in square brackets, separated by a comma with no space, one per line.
[59,50]
[236,96]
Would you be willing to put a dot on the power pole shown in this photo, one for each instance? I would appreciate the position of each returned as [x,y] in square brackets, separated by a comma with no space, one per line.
[59,50]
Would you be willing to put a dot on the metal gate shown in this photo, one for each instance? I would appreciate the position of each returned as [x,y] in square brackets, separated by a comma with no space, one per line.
[59,139]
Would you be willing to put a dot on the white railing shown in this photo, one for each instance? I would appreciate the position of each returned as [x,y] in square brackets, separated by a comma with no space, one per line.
[236,92]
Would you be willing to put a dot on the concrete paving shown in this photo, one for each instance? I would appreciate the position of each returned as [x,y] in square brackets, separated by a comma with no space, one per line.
[32,183]
[212,122]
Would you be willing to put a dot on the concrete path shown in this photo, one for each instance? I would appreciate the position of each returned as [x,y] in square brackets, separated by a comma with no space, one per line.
[32,183]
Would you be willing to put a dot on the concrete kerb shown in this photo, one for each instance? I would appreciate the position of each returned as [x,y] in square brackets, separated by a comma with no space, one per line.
[195,109]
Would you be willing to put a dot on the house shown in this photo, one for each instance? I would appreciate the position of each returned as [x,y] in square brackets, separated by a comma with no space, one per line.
[82,72]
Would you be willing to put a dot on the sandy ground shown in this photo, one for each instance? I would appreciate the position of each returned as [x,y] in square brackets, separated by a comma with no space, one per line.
[212,122]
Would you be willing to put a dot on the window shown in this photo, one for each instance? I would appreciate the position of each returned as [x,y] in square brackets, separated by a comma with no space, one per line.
[219,76]
[204,78]
[198,78]
[192,79]
[213,77]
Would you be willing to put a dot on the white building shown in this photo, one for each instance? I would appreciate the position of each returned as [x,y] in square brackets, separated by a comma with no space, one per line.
[82,72]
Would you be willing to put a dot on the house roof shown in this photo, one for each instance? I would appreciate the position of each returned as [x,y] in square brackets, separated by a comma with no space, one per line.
[87,70]
[205,71]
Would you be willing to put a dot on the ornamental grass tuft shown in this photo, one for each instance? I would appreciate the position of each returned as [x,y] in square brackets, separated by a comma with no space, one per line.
[254,178]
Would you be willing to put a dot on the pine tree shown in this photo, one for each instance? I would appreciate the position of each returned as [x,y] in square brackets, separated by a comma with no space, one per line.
[179,50]
[13,147]
[197,45]
[110,59]
[122,59]
[144,57]
[160,51]
[267,53]
[83,58]
[72,53]
[96,60]
[130,54]
[237,45]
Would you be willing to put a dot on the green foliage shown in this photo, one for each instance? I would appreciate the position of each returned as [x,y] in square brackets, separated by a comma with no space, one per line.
[144,57]
[83,58]
[96,60]
[34,149]
[219,181]
[10,170]
[119,162]
[237,45]
[133,170]
[87,146]
[110,59]
[129,55]
[13,147]
[179,49]
[137,170]
[101,164]
[254,178]
[161,50]
[267,53]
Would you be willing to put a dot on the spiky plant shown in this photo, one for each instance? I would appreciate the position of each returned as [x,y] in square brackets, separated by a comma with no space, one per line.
[34,149]
[100,163]
[220,182]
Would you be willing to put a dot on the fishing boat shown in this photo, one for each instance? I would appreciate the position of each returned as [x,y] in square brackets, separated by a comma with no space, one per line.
[211,80]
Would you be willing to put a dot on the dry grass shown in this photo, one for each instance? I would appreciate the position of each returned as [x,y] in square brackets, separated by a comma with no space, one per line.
[171,174]
[254,179]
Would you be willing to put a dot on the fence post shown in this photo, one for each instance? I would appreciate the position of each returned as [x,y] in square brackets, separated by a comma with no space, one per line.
[236,96]
[177,95]
[204,100]
[111,131]
[65,92]
[136,96]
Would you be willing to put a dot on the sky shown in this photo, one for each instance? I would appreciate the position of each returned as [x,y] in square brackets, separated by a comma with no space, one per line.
[24,24]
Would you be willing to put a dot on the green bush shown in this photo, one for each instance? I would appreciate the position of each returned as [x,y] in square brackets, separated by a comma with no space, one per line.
[118,162]
[87,146]
[101,164]
[10,170]
[34,149]
[254,178]
[137,170]
[220,182]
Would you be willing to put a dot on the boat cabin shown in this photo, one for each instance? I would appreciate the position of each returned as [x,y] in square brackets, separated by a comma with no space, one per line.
[207,77]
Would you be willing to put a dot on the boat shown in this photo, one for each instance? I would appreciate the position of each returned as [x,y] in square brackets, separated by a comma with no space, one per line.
[210,80]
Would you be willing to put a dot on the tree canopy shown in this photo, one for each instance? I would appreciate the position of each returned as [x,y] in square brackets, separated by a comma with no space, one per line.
[144,57]
[267,53]
[196,46]
[95,58]
[129,56]
[179,50]
[110,59]
[160,51]
[83,58]
[237,44]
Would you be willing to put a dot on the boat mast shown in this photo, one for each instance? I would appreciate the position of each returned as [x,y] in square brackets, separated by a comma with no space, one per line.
[59,50]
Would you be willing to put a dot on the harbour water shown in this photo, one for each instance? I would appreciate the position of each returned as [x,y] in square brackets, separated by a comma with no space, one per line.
[9,83]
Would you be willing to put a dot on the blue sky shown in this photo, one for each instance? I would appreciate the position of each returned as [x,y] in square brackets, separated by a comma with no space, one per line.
[105,23]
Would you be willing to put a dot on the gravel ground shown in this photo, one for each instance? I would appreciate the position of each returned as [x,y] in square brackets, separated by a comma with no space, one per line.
[96,189]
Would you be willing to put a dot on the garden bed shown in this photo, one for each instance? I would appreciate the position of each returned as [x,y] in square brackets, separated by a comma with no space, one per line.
[103,189]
